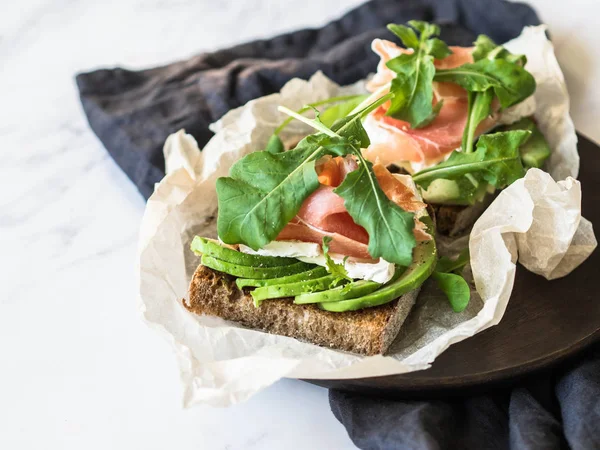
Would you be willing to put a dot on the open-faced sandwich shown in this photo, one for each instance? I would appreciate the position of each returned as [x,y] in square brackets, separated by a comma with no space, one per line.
[330,240]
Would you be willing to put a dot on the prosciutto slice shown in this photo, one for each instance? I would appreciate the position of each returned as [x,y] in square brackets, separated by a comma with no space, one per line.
[394,141]
[323,212]
[297,230]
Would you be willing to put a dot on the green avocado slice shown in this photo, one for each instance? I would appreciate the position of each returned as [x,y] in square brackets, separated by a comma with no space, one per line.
[424,261]
[311,274]
[351,290]
[535,151]
[212,248]
[238,270]
[290,290]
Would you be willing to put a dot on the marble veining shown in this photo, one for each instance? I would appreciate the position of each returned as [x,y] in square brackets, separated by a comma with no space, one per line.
[79,367]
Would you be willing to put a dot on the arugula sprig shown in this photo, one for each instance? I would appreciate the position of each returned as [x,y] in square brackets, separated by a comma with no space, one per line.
[448,277]
[497,161]
[342,105]
[412,87]
[336,269]
[486,48]
[495,73]
[265,190]
[389,227]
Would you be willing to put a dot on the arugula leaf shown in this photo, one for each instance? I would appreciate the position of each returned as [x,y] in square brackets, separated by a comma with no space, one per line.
[337,270]
[485,48]
[456,289]
[446,265]
[412,86]
[496,160]
[343,98]
[450,281]
[434,46]
[340,110]
[480,106]
[265,191]
[351,128]
[434,113]
[511,82]
[275,145]
[406,34]
[480,102]
[390,228]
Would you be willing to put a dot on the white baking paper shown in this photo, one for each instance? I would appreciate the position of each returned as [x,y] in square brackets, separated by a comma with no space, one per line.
[536,220]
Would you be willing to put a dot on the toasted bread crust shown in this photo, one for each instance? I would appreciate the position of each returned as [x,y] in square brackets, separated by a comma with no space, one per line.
[369,331]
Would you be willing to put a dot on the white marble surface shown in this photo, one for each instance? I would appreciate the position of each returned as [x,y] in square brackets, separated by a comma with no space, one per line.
[79,367]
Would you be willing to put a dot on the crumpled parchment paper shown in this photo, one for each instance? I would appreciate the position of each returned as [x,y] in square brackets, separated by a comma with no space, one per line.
[536,220]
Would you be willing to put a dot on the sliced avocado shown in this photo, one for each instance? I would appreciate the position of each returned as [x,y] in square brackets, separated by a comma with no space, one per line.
[311,274]
[454,192]
[292,289]
[535,151]
[351,290]
[213,248]
[424,261]
[239,270]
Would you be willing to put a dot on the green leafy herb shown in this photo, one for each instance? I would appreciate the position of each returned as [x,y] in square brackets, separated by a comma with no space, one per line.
[341,110]
[480,97]
[343,99]
[456,289]
[265,191]
[480,105]
[351,128]
[510,82]
[337,270]
[450,281]
[275,145]
[496,161]
[412,86]
[485,48]
[390,228]
[446,265]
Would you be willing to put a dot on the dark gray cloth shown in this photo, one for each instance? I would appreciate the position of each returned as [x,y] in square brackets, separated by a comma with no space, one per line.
[133,112]
[553,410]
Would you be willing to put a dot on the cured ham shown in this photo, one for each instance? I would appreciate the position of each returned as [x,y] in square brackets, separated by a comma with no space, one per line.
[298,230]
[324,209]
[393,141]
[323,212]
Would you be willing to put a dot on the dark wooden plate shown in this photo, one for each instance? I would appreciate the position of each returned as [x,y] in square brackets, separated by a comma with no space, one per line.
[545,322]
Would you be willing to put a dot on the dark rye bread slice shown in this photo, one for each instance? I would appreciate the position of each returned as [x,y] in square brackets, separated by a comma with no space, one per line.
[453,221]
[369,331]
